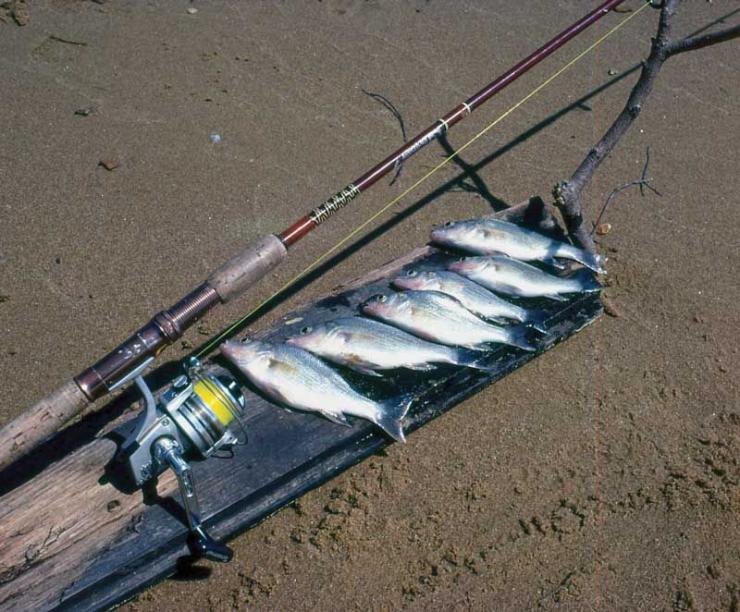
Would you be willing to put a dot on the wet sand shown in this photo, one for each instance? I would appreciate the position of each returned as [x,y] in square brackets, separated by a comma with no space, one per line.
[603,475]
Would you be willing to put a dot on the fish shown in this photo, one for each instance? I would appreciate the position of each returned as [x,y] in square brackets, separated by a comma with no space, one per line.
[440,318]
[473,296]
[488,236]
[297,379]
[366,345]
[513,277]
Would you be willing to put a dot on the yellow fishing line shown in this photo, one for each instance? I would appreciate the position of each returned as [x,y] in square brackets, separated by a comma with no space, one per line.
[217,340]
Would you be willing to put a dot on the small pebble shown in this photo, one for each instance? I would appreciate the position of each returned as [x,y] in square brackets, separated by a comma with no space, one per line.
[215,138]
[603,229]
[108,164]
[84,112]
[19,11]
[192,10]
[612,72]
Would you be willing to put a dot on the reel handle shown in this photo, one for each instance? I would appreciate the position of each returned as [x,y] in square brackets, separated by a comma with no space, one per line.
[201,544]
[168,452]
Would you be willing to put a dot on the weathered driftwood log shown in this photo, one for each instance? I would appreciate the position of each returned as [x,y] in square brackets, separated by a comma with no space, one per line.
[43,419]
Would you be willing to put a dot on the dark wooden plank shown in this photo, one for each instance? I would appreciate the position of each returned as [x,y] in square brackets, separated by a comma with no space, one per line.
[288,454]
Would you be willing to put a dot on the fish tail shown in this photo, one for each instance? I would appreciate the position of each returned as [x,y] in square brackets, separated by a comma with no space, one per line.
[586,281]
[537,319]
[590,260]
[390,415]
[520,337]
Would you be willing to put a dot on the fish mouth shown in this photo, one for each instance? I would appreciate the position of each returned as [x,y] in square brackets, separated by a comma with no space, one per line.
[233,350]
[405,282]
[463,265]
[439,235]
[296,341]
[371,308]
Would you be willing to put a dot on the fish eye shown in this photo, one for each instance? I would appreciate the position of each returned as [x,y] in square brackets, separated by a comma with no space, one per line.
[412,273]
[307,330]
[382,298]
[449,224]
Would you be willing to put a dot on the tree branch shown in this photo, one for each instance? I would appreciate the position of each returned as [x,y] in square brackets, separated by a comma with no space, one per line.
[691,43]
[568,193]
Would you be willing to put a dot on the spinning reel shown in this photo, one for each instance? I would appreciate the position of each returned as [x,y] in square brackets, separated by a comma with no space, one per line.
[194,418]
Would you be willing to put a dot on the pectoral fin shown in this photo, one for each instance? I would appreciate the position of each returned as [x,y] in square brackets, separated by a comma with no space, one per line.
[336,417]
[551,261]
[366,371]
[420,367]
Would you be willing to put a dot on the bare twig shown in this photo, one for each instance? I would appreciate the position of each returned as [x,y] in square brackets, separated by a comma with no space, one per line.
[642,182]
[568,193]
[67,41]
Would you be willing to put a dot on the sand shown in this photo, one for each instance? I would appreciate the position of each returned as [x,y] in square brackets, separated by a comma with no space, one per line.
[602,475]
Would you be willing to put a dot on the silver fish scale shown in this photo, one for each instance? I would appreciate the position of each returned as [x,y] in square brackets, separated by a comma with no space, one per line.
[292,369]
[373,344]
[472,295]
[515,277]
[488,236]
[300,380]
[441,318]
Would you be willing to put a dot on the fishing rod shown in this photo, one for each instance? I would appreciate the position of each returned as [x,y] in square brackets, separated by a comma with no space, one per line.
[126,362]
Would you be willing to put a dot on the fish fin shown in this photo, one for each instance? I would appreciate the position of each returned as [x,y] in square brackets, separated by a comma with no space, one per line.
[420,367]
[365,371]
[537,319]
[497,320]
[551,261]
[476,347]
[590,260]
[587,281]
[390,415]
[336,417]
[520,337]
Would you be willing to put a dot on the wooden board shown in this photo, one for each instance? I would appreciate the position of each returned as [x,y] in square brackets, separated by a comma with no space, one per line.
[71,539]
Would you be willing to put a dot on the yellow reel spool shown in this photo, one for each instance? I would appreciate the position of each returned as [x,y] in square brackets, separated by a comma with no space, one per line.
[220,403]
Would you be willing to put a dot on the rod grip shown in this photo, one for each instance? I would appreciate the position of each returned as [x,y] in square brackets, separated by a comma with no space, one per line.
[246,268]
[39,422]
